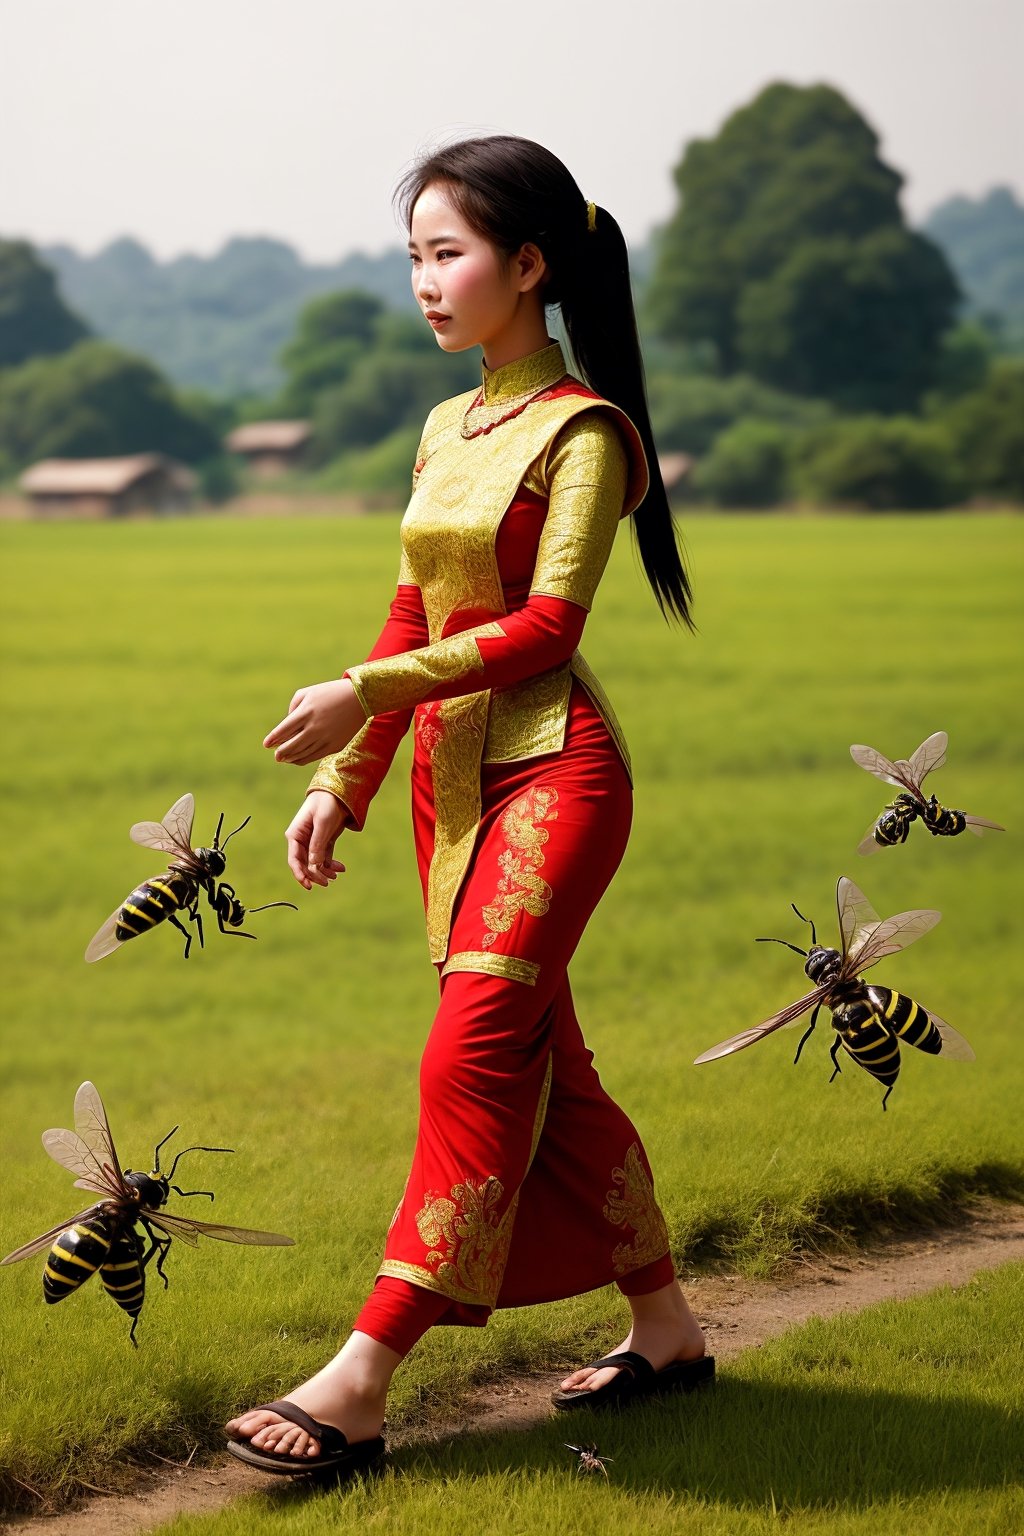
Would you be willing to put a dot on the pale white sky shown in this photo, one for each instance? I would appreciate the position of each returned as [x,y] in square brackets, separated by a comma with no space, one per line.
[188,121]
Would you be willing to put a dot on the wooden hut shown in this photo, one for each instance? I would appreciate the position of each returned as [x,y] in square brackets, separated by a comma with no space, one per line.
[143,482]
[270,447]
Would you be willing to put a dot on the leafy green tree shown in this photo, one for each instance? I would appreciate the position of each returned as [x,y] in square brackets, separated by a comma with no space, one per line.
[93,401]
[388,390]
[879,463]
[748,465]
[986,431]
[689,412]
[333,333]
[34,320]
[786,217]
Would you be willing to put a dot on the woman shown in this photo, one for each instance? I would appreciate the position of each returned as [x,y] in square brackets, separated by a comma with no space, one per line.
[528,1183]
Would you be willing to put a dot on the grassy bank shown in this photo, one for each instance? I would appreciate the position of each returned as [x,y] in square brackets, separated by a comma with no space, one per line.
[906,1417]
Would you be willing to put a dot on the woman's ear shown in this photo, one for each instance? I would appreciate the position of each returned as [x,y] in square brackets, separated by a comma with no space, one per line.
[530,267]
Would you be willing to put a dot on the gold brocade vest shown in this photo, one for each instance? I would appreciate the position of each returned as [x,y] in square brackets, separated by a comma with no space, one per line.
[463,489]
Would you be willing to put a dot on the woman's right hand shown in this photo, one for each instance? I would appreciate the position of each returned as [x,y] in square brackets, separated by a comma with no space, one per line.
[311,836]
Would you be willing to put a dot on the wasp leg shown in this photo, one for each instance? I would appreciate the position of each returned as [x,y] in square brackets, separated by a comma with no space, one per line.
[161,1246]
[188,1193]
[193,913]
[808,1032]
[834,1053]
[886,1094]
[131,1332]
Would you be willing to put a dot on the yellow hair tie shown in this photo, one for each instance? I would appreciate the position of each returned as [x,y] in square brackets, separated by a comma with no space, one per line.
[591,217]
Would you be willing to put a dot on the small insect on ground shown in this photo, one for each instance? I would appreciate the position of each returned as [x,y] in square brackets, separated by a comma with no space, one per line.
[589,1460]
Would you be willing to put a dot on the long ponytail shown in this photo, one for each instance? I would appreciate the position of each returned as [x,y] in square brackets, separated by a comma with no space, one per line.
[513,191]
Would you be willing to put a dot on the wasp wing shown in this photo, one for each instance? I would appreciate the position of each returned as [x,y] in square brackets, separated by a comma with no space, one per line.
[867,843]
[190,1230]
[780,1020]
[105,941]
[954,1046]
[857,917]
[979,826]
[930,754]
[46,1238]
[68,1149]
[882,767]
[173,834]
[890,936]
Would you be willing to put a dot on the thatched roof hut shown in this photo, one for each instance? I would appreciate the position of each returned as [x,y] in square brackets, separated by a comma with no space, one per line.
[108,487]
[270,447]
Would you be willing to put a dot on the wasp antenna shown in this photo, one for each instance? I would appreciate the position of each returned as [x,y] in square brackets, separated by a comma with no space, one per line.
[230,835]
[796,950]
[808,921]
[181,1154]
[159,1145]
[267,905]
[216,835]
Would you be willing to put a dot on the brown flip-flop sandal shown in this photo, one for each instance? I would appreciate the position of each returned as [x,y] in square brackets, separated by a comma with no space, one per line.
[637,1378]
[336,1454]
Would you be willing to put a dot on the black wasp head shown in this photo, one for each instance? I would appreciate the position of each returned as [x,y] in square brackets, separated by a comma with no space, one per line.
[823,965]
[212,860]
[153,1188]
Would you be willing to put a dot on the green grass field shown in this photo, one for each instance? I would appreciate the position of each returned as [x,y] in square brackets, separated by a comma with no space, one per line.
[906,1418]
[149,658]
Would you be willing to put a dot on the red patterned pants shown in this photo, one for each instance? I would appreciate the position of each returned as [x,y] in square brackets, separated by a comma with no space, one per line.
[528,1182]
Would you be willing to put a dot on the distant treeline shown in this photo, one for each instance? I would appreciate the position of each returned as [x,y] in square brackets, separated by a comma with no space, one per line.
[802,342]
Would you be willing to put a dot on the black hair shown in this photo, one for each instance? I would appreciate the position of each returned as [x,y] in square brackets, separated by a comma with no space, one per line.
[514,192]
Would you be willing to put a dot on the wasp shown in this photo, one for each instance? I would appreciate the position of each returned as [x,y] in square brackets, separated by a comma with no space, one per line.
[870,1021]
[105,1235]
[589,1460]
[893,825]
[192,872]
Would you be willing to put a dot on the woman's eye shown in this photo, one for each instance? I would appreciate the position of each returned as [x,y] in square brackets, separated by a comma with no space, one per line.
[441,255]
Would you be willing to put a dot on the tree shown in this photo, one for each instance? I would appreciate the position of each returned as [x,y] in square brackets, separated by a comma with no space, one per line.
[787,218]
[333,334]
[94,401]
[34,320]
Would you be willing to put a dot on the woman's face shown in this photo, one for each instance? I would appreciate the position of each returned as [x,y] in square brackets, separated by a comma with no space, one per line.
[470,296]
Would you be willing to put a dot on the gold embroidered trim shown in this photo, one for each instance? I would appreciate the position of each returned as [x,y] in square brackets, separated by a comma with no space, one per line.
[398,682]
[478,1244]
[455,773]
[524,377]
[415,1274]
[521,888]
[355,775]
[509,966]
[467,1239]
[633,1205]
[528,720]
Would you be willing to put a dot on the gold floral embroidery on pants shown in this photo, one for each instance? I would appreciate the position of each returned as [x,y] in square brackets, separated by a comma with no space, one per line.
[467,1239]
[521,888]
[633,1205]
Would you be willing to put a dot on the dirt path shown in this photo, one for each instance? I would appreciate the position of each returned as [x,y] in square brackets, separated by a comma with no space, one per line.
[736,1313]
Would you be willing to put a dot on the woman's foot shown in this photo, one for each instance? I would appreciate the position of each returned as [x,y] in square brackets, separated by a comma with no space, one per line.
[349,1393]
[664,1331]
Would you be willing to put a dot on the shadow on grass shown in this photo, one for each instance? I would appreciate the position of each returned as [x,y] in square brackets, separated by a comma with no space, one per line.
[751,1445]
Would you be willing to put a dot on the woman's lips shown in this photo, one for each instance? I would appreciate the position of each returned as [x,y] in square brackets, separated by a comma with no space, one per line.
[436,319]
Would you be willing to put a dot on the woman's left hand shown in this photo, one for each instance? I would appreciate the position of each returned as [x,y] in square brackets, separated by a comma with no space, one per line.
[321,719]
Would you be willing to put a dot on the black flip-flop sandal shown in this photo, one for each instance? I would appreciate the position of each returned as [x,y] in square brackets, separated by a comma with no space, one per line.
[637,1378]
[335,1455]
